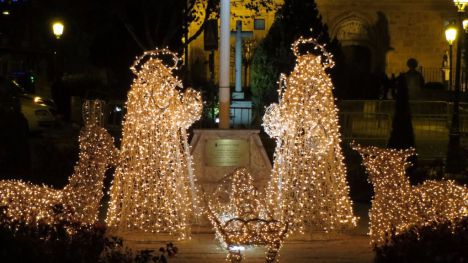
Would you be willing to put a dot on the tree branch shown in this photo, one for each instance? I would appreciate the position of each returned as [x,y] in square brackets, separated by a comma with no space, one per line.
[202,26]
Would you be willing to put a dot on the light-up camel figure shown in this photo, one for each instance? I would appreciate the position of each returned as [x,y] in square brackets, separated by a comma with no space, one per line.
[79,200]
[397,205]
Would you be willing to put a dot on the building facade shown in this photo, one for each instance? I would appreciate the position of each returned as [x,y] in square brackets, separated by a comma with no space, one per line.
[386,33]
[376,36]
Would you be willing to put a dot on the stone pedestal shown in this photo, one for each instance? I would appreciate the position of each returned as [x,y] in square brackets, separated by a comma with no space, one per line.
[216,153]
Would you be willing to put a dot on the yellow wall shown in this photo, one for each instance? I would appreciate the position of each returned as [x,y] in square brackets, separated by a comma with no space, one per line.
[199,58]
[415,27]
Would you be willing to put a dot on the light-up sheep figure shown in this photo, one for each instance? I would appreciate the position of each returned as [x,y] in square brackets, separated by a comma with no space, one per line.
[308,188]
[79,200]
[397,205]
[153,188]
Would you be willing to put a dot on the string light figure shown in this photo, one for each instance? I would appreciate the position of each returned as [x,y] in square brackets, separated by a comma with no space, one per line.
[308,187]
[79,200]
[153,188]
[398,206]
[240,218]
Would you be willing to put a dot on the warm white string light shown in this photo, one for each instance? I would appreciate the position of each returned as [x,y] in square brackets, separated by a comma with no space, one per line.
[79,200]
[240,218]
[151,188]
[397,205]
[308,188]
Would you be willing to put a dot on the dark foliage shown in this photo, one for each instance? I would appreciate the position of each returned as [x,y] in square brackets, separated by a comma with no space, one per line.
[54,243]
[14,142]
[50,243]
[274,56]
[436,243]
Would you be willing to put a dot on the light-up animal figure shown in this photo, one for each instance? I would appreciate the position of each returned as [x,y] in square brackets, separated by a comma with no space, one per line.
[397,205]
[79,200]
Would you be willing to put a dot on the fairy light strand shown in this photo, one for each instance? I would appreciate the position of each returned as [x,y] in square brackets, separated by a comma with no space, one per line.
[397,206]
[79,200]
[153,189]
[308,187]
[240,218]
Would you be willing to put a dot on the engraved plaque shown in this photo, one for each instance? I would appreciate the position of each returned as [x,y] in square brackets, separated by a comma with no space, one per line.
[227,152]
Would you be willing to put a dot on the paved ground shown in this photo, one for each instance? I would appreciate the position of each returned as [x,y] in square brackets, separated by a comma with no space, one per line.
[352,246]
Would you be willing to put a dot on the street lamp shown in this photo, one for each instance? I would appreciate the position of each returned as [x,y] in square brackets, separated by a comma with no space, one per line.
[465,24]
[450,36]
[461,4]
[57,29]
[455,160]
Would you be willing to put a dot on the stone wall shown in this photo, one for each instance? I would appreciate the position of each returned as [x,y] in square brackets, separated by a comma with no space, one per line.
[394,30]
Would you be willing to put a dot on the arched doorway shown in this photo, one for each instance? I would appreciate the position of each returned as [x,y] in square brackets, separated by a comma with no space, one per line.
[358,71]
[354,33]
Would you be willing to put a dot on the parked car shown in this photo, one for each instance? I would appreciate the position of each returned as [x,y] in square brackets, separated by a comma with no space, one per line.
[38,111]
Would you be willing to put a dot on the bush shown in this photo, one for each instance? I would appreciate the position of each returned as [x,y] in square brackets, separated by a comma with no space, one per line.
[63,242]
[50,243]
[442,242]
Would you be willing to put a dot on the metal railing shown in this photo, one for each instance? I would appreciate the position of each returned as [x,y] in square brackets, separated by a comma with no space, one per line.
[370,122]
[365,121]
[240,117]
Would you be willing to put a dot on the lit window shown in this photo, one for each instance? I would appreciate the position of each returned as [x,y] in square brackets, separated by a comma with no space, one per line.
[259,24]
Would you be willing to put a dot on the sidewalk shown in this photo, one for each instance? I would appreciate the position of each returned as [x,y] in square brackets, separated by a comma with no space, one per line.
[352,246]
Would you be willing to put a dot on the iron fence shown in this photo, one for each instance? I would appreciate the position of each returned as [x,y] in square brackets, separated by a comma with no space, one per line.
[365,121]
[370,122]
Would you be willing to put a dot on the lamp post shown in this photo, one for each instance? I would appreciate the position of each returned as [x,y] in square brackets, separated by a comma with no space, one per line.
[57,29]
[450,36]
[455,160]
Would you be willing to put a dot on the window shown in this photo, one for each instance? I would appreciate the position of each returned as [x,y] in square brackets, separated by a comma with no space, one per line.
[259,24]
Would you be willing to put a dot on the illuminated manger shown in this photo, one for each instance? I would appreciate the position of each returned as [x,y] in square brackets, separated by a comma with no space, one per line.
[240,219]
[397,205]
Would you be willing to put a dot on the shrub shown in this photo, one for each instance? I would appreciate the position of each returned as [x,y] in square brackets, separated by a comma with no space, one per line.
[63,242]
[441,242]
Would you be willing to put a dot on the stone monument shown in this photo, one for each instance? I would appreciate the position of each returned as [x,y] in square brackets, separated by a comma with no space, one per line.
[241,108]
[217,153]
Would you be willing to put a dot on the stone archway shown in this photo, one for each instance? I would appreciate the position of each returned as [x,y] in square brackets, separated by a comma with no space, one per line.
[353,29]
[356,37]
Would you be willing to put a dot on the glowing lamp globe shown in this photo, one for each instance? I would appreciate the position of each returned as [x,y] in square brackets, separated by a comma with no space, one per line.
[450,35]
[465,24]
[461,4]
[57,29]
